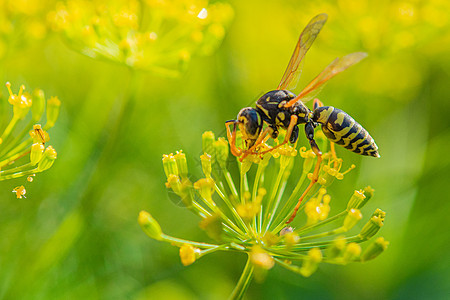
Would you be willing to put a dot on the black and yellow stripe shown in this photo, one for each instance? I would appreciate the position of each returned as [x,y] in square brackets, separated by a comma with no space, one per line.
[343,130]
[250,123]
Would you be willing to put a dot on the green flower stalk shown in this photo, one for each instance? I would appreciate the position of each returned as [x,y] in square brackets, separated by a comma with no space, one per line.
[23,138]
[251,215]
[160,36]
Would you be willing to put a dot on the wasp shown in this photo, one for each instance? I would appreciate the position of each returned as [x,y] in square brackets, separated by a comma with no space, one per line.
[281,108]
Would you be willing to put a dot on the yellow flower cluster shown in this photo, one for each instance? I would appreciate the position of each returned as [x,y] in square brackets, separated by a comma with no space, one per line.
[160,36]
[251,216]
[14,144]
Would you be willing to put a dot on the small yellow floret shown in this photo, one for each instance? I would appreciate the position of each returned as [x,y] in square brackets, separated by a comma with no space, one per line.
[20,192]
[188,254]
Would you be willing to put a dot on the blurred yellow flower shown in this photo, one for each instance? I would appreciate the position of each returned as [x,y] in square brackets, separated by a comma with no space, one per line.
[160,36]
[22,22]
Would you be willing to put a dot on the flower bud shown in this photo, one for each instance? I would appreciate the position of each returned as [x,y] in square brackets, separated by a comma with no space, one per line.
[368,192]
[53,108]
[188,254]
[310,263]
[337,247]
[248,210]
[374,224]
[38,107]
[174,183]
[149,225]
[221,146]
[213,227]
[206,164]
[37,151]
[265,159]
[353,217]
[374,249]
[351,252]
[356,200]
[205,187]
[187,192]
[270,239]
[47,160]
[180,159]
[309,156]
[39,135]
[170,165]
[246,165]
[261,261]
[291,239]
[260,258]
[21,102]
[208,140]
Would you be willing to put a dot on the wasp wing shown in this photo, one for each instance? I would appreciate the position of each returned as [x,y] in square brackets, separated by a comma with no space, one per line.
[306,39]
[337,66]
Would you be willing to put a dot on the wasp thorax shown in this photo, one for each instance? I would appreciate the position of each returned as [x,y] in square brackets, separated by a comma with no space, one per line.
[250,124]
[301,111]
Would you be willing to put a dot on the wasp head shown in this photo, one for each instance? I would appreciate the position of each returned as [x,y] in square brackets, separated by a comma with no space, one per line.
[250,124]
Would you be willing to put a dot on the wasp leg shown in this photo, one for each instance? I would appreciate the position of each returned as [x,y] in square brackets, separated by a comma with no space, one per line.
[287,138]
[261,139]
[232,139]
[309,129]
[333,153]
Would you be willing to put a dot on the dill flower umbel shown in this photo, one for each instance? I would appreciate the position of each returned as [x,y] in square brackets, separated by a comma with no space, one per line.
[251,216]
[23,148]
[152,35]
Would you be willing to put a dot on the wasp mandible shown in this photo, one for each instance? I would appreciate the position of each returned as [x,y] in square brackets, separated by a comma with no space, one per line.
[281,108]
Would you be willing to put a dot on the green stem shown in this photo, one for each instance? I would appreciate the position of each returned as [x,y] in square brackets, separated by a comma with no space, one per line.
[289,203]
[212,205]
[257,223]
[16,169]
[273,194]
[231,208]
[326,233]
[244,281]
[305,229]
[282,224]
[322,244]
[7,161]
[16,140]
[242,185]
[20,174]
[181,242]
[277,203]
[231,184]
[8,130]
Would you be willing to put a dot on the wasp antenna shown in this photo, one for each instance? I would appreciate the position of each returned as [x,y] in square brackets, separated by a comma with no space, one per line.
[230,121]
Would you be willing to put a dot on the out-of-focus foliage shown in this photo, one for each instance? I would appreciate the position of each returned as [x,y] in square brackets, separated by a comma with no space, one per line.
[76,235]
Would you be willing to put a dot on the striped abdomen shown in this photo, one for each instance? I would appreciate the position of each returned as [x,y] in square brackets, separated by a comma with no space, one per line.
[343,130]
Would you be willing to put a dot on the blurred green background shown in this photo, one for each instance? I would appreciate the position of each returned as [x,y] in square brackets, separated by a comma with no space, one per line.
[76,234]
